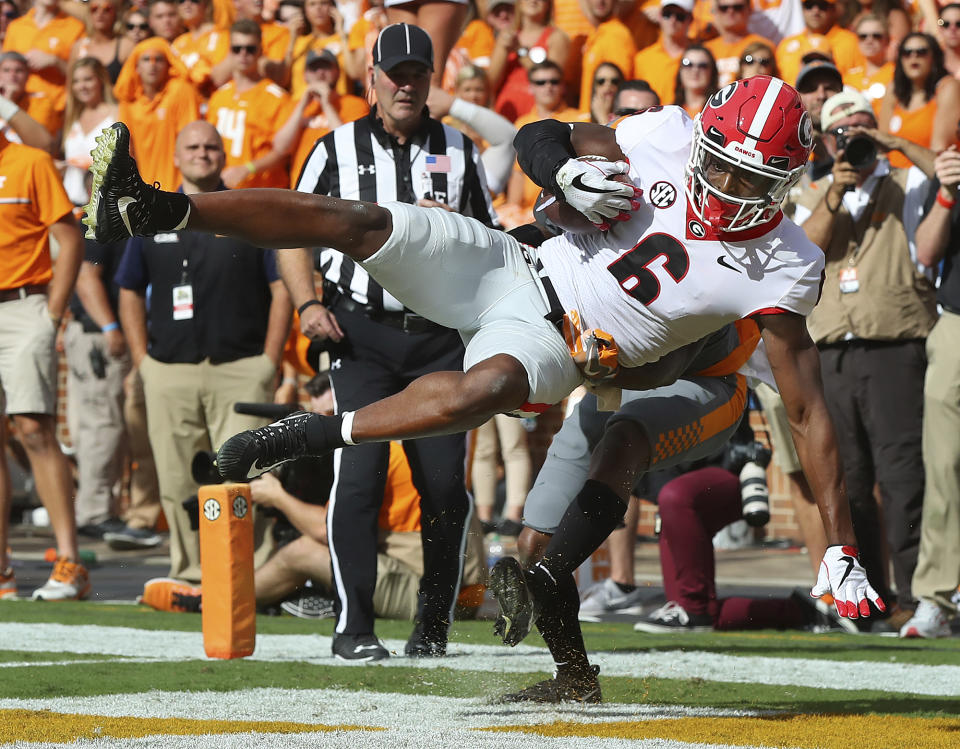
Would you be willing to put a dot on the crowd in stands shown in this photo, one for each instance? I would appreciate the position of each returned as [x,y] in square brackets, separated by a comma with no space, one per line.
[272,77]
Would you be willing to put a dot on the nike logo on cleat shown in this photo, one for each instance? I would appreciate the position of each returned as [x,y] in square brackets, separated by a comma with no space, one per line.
[122,205]
[578,183]
[723,261]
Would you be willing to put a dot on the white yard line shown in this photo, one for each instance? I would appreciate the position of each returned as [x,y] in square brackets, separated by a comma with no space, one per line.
[315,649]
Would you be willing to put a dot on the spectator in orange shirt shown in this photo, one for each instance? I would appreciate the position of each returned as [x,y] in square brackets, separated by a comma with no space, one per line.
[14,75]
[164,19]
[731,17]
[658,64]
[247,112]
[156,100]
[758,58]
[319,110]
[875,75]
[275,41]
[610,42]
[45,36]
[949,27]
[361,38]
[135,26]
[196,18]
[822,34]
[103,39]
[923,105]
[324,30]
[697,79]
[896,15]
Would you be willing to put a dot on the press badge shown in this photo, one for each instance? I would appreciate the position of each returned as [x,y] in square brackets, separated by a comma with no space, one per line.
[183,302]
[849,283]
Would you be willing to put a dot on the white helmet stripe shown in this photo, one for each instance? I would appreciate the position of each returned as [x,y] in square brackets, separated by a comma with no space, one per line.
[766,106]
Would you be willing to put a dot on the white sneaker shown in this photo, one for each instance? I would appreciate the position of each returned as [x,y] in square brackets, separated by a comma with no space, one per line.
[928,621]
[672,617]
[607,598]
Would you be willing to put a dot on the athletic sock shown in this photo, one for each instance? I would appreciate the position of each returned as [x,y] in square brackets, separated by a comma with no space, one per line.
[324,433]
[589,519]
[557,622]
[626,588]
[170,211]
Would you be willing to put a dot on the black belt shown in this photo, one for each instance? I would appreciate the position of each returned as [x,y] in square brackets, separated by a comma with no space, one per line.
[408,322]
[22,292]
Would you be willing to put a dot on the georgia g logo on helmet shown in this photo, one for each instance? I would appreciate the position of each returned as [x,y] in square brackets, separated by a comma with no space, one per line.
[756,131]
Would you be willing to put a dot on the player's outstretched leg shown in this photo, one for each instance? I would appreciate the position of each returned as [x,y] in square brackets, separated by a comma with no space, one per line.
[518,610]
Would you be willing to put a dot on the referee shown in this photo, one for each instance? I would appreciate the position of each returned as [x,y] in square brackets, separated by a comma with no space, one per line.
[377,347]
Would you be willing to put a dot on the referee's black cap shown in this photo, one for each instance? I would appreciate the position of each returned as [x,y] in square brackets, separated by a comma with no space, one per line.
[401,42]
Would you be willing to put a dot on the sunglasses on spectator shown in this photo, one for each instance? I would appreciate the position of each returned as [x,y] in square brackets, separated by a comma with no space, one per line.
[948,24]
[547,82]
[920,52]
[752,60]
[250,49]
[138,27]
[195,2]
[672,11]
[875,35]
[737,8]
[605,81]
[10,14]
[688,63]
[821,4]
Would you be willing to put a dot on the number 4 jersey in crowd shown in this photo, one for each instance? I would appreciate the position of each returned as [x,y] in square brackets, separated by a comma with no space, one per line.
[662,279]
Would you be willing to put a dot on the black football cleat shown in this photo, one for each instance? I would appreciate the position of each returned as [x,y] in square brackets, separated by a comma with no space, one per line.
[518,610]
[426,642]
[121,204]
[249,454]
[567,686]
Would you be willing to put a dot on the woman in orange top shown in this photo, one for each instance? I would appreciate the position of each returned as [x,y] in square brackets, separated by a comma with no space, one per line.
[697,79]
[923,105]
[874,77]
[895,17]
[103,40]
[530,39]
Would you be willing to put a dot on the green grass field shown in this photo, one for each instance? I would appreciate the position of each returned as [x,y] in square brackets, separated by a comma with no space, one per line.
[71,661]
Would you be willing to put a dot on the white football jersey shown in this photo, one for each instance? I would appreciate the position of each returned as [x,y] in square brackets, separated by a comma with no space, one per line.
[662,279]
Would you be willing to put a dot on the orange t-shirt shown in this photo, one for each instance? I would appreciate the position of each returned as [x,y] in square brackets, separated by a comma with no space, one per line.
[612,42]
[400,510]
[247,123]
[568,17]
[349,108]
[195,52]
[838,42]
[728,54]
[32,199]
[916,126]
[56,38]
[477,42]
[655,65]
[871,86]
[43,108]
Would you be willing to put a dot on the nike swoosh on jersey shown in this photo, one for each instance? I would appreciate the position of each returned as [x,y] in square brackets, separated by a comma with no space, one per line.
[578,183]
[122,205]
[723,261]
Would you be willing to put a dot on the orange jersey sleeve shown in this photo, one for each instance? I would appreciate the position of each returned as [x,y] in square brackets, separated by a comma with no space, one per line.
[247,122]
[400,510]
[32,199]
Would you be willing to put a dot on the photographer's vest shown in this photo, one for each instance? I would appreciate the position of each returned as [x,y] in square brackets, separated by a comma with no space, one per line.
[883,297]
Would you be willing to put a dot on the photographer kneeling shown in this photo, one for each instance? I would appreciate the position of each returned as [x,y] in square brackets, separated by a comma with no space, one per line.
[875,310]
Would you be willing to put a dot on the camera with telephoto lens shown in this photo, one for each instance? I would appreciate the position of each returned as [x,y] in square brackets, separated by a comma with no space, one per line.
[749,460]
[858,149]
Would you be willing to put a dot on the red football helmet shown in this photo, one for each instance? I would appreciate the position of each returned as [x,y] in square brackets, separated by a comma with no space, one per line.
[752,139]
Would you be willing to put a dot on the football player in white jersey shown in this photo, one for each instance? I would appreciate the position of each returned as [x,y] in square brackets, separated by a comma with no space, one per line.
[745,151]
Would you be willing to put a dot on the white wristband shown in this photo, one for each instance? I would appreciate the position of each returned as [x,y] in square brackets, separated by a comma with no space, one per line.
[346,427]
[7,109]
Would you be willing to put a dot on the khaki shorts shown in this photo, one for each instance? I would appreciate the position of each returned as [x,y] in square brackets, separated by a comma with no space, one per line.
[784,453]
[28,359]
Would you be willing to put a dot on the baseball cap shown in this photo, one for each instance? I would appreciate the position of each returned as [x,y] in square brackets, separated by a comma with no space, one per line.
[323,56]
[401,42]
[824,66]
[687,5]
[842,105]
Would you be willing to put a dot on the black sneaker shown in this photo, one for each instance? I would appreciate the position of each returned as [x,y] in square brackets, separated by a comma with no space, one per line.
[121,204]
[508,527]
[100,530]
[308,604]
[247,455]
[358,648]
[566,686]
[672,617]
[426,644]
[125,537]
[518,610]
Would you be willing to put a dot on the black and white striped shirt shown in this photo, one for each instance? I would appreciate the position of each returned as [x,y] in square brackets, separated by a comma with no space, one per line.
[361,161]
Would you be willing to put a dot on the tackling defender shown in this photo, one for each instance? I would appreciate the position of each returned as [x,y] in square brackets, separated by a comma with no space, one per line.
[651,282]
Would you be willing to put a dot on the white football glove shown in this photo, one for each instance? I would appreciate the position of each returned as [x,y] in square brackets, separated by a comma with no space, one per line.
[586,188]
[842,576]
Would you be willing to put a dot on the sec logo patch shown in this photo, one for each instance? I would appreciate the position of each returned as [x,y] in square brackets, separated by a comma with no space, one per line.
[663,194]
[239,506]
[211,509]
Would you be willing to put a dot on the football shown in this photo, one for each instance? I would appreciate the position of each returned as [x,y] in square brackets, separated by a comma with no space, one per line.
[562,215]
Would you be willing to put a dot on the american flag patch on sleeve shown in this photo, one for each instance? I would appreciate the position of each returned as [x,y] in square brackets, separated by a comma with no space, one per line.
[438,163]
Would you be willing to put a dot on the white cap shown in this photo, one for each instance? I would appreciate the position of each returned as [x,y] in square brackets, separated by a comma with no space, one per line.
[842,105]
[687,5]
